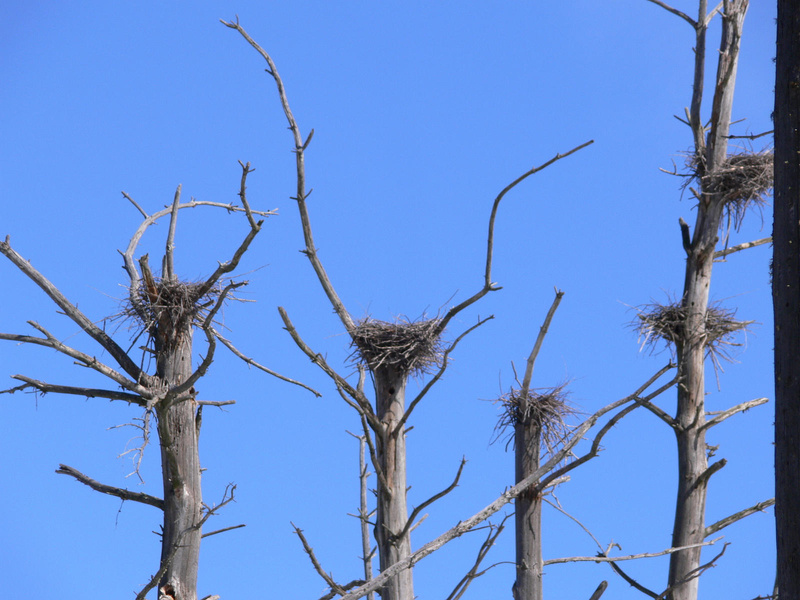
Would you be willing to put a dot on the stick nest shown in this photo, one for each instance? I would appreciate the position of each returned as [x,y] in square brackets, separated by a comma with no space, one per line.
[545,407]
[668,322]
[408,347]
[168,307]
[743,180]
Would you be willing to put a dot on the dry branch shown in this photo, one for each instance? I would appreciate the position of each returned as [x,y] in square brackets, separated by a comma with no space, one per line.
[109,489]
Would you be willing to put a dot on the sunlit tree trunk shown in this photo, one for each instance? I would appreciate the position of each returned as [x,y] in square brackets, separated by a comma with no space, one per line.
[393,543]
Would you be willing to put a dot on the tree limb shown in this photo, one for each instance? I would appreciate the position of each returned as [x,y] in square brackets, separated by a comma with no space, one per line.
[744,406]
[72,311]
[611,559]
[46,388]
[110,490]
[526,381]
[729,520]
[473,573]
[740,247]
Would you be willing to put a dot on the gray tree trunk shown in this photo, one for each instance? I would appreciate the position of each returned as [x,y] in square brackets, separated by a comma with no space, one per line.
[693,469]
[178,437]
[786,298]
[392,515]
[528,512]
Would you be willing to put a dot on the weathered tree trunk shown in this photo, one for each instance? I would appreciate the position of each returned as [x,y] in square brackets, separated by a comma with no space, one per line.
[392,516]
[177,434]
[693,469]
[528,511]
[786,298]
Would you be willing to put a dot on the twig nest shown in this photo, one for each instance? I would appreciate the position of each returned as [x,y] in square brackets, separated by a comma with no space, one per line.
[165,308]
[409,347]
[668,322]
[545,408]
[743,180]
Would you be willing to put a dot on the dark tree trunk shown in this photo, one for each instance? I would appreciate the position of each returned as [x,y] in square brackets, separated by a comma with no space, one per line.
[177,434]
[528,512]
[786,298]
[393,544]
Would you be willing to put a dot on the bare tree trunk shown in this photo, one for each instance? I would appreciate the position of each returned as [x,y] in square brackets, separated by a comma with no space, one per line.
[528,511]
[786,298]
[394,543]
[693,469]
[177,434]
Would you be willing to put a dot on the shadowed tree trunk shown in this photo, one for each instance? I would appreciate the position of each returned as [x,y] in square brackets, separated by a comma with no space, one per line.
[528,511]
[786,298]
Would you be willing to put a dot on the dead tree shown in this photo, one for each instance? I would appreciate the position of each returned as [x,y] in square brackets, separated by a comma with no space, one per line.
[724,186]
[167,311]
[786,298]
[390,352]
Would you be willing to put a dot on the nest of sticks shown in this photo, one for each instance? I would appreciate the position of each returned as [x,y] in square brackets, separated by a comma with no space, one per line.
[410,347]
[667,322]
[165,308]
[743,180]
[545,408]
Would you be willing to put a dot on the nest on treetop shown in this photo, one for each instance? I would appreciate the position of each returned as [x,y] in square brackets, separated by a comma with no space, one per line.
[165,308]
[408,347]
[668,322]
[743,180]
[544,408]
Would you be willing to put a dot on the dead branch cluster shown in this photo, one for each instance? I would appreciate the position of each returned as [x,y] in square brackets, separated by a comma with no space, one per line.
[409,347]
[545,407]
[668,322]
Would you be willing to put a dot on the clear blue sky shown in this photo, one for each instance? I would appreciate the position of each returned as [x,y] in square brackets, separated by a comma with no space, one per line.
[422,112]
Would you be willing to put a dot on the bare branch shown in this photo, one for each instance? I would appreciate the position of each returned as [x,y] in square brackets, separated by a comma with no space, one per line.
[744,406]
[317,359]
[301,195]
[229,345]
[488,286]
[169,252]
[111,490]
[100,336]
[83,359]
[474,573]
[317,567]
[526,381]
[439,373]
[599,591]
[555,561]
[740,247]
[675,11]
[729,520]
[417,510]
[46,388]
[205,535]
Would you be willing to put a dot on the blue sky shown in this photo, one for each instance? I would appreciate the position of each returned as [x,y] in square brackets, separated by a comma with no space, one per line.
[422,113]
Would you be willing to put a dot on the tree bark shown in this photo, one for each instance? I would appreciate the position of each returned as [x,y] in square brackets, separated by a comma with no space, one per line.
[786,298]
[178,438]
[392,515]
[528,512]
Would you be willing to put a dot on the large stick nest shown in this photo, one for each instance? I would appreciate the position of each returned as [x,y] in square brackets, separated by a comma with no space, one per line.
[167,307]
[545,408]
[743,180]
[668,322]
[408,347]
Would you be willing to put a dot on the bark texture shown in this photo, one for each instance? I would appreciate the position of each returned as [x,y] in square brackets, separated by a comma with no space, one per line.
[528,511]
[691,345]
[786,298]
[394,542]
[178,438]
